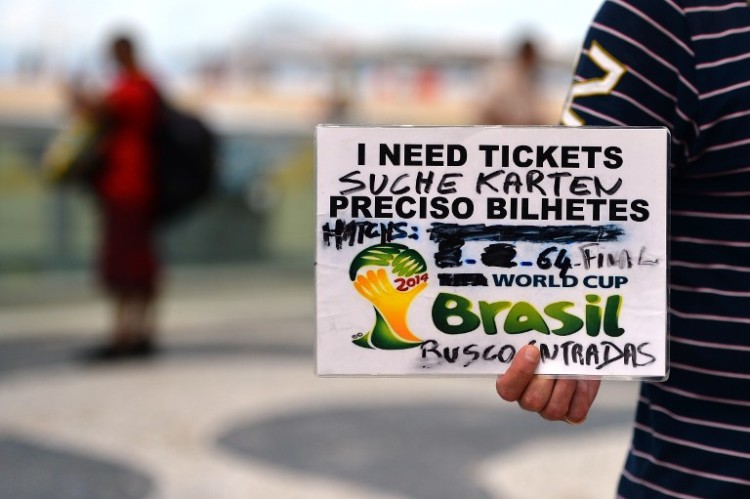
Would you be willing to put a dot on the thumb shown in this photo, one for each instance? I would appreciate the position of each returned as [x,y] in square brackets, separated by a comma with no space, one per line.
[415,290]
[511,385]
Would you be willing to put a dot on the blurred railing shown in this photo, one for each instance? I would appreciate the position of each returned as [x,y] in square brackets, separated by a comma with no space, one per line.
[265,115]
[49,227]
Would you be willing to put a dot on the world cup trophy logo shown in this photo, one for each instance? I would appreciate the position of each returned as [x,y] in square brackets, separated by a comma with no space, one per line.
[389,276]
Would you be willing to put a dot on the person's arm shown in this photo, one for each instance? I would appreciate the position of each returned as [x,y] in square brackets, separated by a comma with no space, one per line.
[83,100]
[636,68]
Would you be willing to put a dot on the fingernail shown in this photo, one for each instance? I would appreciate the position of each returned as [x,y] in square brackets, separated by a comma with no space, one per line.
[531,354]
[575,423]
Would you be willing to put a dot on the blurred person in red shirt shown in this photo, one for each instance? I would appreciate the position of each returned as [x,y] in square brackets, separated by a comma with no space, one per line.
[129,267]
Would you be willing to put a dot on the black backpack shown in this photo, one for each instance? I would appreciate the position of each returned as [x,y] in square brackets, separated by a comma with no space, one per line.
[185,161]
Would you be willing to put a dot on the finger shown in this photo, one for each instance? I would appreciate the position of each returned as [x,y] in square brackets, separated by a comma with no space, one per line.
[366,286]
[363,286]
[417,288]
[373,282]
[537,394]
[583,397]
[511,385]
[381,281]
[559,402]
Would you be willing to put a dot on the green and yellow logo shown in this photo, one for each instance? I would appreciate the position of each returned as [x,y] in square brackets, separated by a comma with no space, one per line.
[389,276]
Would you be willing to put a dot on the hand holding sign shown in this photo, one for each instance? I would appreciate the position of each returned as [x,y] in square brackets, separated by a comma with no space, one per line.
[566,400]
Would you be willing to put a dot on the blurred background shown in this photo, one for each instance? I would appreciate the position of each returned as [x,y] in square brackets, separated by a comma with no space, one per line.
[231,406]
[263,73]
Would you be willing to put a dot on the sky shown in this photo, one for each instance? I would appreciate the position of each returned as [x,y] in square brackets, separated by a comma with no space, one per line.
[69,28]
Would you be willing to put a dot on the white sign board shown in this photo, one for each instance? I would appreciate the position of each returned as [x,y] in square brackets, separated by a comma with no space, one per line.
[444,250]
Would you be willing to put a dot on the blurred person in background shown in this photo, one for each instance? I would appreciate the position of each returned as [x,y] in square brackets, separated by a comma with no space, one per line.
[686,66]
[514,96]
[129,267]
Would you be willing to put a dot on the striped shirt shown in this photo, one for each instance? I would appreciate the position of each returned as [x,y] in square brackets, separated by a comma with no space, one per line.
[685,64]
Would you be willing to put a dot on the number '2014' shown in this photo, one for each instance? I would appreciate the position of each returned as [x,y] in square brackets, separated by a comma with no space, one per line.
[405,284]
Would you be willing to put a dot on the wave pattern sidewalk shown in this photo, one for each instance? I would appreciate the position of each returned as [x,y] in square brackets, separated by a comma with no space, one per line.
[232,409]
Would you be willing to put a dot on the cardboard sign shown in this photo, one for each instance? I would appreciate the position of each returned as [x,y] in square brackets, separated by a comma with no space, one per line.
[444,250]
